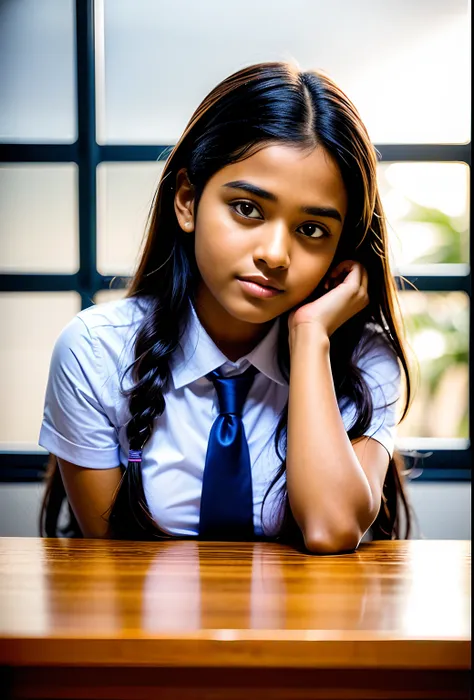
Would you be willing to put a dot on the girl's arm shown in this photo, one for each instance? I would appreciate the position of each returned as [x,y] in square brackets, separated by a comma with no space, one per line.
[90,493]
[333,498]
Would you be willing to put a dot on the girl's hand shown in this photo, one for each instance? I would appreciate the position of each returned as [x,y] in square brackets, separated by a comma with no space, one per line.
[346,296]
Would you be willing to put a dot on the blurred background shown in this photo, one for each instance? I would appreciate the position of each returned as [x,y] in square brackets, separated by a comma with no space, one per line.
[93,94]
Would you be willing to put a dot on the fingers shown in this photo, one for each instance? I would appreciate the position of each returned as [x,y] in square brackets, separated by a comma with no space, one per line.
[353,274]
[338,274]
[364,287]
[350,272]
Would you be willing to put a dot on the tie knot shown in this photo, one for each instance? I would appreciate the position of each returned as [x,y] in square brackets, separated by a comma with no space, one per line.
[232,391]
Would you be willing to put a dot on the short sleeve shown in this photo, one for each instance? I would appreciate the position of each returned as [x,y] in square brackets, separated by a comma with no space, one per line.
[381,371]
[75,424]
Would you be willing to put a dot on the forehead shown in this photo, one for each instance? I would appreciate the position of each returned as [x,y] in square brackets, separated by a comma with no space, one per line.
[296,177]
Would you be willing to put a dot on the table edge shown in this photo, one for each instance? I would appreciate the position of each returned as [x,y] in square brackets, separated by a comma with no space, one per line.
[425,654]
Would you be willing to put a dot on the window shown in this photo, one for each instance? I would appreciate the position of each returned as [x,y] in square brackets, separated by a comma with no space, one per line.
[96,96]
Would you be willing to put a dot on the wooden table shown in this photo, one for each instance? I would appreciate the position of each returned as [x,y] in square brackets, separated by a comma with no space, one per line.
[187,619]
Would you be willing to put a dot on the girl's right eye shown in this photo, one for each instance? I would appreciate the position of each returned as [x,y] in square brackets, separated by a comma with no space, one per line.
[251,206]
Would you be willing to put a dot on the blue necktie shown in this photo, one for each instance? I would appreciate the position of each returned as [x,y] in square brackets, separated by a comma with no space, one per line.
[227,500]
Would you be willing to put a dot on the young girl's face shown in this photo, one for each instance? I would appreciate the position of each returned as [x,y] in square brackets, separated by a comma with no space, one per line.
[239,233]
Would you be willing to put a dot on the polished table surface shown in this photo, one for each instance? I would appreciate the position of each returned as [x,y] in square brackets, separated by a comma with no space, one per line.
[395,605]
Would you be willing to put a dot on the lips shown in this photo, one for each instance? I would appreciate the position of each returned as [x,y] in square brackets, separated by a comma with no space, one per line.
[260,284]
[258,290]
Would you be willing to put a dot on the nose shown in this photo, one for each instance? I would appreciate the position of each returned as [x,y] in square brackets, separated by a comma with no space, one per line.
[274,246]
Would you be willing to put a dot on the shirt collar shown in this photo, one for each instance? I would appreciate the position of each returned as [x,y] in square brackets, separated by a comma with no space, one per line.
[197,355]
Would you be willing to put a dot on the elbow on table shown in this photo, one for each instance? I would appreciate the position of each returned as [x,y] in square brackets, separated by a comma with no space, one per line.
[323,543]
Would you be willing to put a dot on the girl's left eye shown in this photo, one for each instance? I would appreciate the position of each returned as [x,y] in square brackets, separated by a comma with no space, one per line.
[251,206]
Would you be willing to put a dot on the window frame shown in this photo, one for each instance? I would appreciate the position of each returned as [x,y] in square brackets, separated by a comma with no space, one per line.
[86,153]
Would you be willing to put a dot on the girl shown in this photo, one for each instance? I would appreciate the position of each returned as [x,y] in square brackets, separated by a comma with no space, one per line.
[273,179]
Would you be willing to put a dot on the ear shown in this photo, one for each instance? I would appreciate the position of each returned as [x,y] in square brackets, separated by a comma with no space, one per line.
[184,201]
[327,277]
[339,256]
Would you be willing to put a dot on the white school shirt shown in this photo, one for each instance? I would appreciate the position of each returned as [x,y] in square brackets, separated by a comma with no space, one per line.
[85,416]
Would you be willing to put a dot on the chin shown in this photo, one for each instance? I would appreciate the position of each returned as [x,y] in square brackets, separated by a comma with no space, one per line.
[251,311]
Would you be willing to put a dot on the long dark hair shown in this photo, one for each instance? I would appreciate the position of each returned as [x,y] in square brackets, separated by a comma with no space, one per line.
[260,105]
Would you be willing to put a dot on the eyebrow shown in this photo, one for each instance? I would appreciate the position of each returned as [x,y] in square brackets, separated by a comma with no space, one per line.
[329,212]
